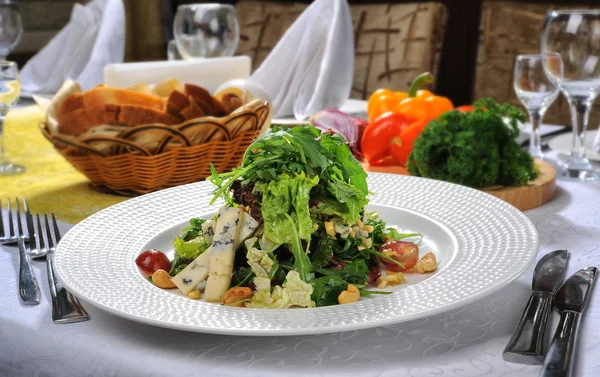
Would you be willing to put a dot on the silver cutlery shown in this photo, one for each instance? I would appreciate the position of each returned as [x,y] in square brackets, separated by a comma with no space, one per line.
[65,307]
[570,301]
[29,289]
[528,343]
[7,233]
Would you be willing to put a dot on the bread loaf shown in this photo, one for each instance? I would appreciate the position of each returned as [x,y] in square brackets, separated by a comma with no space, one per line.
[104,105]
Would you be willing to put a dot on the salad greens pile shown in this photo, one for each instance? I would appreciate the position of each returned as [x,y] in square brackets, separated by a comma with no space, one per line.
[294,157]
[308,193]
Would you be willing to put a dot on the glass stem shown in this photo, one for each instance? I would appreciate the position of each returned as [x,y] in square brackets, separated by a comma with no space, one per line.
[535,141]
[3,158]
[580,113]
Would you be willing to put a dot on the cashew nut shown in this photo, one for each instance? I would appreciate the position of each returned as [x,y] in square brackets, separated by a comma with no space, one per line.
[426,264]
[194,295]
[329,229]
[351,294]
[234,296]
[162,279]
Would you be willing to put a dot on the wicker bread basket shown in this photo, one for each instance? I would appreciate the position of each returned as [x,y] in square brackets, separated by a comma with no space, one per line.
[145,158]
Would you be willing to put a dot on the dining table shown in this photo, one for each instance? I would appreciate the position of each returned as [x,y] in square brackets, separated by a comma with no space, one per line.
[464,342]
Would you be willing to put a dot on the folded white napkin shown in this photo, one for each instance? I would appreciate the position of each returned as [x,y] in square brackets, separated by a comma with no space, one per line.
[93,38]
[209,73]
[312,66]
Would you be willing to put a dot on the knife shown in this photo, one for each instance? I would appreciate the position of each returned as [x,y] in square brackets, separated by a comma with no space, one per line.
[528,343]
[570,301]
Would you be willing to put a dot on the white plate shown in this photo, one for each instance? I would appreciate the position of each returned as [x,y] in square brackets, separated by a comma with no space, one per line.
[482,242]
[563,143]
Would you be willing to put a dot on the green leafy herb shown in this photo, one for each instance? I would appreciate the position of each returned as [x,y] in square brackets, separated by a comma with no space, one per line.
[476,149]
[326,290]
[242,277]
[301,261]
[193,229]
[322,251]
[301,150]
[354,272]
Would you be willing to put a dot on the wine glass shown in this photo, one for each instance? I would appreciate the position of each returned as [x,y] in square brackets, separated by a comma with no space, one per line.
[571,54]
[206,30]
[173,51]
[536,93]
[11,27]
[10,90]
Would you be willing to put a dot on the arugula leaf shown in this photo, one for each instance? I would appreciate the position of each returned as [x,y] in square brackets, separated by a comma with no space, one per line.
[193,229]
[351,169]
[301,262]
[326,290]
[242,277]
[354,272]
[322,251]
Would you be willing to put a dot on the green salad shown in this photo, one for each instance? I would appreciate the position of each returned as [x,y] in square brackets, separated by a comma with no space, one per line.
[293,231]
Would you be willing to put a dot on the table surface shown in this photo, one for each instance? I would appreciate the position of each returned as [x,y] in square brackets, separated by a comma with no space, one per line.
[464,342]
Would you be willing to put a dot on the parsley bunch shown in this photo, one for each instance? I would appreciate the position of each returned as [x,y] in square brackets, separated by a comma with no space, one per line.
[476,149]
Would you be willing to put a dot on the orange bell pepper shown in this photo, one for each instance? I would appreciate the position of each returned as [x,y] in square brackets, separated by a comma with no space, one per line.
[422,104]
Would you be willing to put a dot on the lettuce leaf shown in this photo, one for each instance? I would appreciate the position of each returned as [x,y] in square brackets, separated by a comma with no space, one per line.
[287,195]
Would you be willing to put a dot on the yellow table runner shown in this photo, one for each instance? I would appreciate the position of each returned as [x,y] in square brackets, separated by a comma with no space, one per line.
[50,183]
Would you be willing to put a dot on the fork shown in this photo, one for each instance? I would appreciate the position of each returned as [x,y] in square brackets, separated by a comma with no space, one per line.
[29,289]
[65,307]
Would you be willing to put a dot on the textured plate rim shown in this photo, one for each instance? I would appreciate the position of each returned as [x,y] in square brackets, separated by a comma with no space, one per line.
[489,289]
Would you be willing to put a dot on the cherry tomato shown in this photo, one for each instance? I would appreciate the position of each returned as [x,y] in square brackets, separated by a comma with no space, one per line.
[152,260]
[408,255]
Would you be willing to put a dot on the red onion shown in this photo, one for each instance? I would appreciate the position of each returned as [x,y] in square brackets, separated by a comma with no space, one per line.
[336,121]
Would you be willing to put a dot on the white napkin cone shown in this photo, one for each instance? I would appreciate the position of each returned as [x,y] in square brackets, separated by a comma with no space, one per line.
[93,38]
[312,65]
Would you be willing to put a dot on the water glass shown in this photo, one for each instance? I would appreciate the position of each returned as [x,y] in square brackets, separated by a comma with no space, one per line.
[206,30]
[570,48]
[10,90]
[11,27]
[536,93]
[173,51]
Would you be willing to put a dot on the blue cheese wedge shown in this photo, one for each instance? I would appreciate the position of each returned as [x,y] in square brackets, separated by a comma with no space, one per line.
[230,232]
[193,274]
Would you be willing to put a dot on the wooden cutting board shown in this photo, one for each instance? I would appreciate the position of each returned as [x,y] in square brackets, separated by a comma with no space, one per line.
[535,194]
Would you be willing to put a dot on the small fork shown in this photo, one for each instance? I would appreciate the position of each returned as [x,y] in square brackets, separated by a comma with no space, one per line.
[29,289]
[65,307]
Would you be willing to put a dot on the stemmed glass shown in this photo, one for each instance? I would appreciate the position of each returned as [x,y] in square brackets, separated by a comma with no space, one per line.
[206,30]
[11,27]
[571,55]
[10,90]
[536,93]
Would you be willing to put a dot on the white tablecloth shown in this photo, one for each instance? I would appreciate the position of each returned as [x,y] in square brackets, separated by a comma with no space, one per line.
[466,342]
